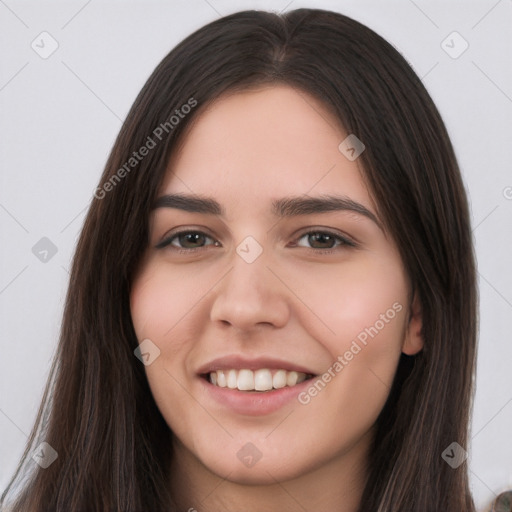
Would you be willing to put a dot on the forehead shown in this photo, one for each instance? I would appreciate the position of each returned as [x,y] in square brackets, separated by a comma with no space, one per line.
[270,142]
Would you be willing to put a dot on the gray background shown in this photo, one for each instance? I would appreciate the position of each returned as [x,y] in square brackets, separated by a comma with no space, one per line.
[60,115]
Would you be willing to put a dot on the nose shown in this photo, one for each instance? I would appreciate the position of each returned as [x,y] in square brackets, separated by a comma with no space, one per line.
[250,296]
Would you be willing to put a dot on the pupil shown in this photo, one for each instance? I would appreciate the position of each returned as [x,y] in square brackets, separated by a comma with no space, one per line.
[191,238]
[323,239]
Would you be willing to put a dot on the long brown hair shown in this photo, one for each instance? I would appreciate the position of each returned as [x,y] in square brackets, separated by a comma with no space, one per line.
[113,445]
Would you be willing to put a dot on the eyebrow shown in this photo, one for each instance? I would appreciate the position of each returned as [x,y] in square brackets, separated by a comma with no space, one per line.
[284,207]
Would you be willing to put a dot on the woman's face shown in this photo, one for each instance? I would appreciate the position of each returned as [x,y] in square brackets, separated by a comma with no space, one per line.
[285,270]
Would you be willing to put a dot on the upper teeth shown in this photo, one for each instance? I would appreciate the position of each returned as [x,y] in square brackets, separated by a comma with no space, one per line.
[259,380]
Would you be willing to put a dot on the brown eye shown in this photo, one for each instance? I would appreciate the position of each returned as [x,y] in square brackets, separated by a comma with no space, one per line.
[191,240]
[323,240]
[187,240]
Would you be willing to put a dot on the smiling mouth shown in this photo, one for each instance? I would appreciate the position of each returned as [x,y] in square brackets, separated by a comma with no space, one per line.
[263,380]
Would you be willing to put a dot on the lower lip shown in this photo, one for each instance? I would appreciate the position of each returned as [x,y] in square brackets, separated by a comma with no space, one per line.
[254,403]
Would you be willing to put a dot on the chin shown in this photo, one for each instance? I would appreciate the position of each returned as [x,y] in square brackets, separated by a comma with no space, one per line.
[263,471]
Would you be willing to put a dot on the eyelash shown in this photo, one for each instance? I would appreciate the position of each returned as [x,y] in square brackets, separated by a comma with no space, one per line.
[342,241]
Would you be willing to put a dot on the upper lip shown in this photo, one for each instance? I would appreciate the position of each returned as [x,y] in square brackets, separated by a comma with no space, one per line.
[237,362]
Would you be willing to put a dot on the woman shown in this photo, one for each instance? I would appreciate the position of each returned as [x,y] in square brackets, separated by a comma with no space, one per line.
[272,303]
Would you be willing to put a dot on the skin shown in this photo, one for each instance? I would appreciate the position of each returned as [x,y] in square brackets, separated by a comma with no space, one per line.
[294,302]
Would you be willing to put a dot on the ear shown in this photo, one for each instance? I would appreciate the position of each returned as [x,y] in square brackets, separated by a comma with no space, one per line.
[413,339]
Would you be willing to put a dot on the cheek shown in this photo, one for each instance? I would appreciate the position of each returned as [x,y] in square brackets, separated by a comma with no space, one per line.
[352,391]
[159,303]
[157,307]
[344,302]
[161,299]
[143,306]
[359,316]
